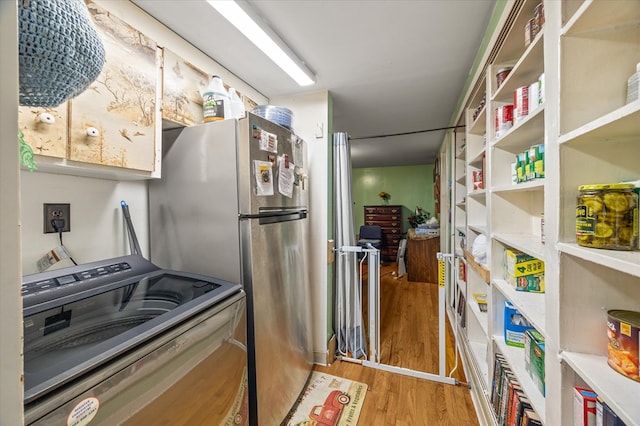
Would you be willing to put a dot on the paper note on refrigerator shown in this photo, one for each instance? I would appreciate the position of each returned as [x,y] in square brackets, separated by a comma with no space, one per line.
[268,141]
[264,177]
[286,177]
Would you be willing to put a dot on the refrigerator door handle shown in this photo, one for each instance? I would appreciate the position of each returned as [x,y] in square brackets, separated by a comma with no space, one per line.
[275,217]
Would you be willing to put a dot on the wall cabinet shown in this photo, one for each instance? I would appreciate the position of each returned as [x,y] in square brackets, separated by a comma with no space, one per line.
[183,84]
[112,123]
[586,51]
[45,130]
[389,218]
[115,121]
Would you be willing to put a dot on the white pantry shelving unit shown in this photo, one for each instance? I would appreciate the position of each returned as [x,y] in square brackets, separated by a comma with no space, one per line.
[597,142]
[586,50]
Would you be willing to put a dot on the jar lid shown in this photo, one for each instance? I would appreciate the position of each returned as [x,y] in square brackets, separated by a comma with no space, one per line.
[602,186]
[631,317]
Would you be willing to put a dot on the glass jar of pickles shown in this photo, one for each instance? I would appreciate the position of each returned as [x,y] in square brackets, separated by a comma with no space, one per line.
[607,216]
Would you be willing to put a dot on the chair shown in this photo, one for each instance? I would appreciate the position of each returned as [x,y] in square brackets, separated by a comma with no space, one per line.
[370,235]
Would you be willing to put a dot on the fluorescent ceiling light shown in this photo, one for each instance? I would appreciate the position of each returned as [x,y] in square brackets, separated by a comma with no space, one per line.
[264,38]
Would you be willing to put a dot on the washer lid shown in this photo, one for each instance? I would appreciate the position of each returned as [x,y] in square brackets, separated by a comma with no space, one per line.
[71,335]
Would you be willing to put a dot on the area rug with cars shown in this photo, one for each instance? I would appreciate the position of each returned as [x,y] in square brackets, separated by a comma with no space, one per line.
[328,401]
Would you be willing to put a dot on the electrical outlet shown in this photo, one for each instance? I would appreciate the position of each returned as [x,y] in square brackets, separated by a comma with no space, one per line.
[56,212]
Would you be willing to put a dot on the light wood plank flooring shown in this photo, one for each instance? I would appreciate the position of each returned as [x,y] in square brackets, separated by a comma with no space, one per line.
[409,338]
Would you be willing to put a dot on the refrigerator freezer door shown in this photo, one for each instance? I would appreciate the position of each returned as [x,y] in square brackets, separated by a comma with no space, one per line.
[269,175]
[276,280]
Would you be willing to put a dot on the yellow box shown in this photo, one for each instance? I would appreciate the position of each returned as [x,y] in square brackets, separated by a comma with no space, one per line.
[519,264]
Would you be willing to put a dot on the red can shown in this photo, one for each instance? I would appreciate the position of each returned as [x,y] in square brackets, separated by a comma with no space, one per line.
[520,103]
[504,120]
[501,75]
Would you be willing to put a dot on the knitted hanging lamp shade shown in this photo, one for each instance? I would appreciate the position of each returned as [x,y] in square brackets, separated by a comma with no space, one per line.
[60,52]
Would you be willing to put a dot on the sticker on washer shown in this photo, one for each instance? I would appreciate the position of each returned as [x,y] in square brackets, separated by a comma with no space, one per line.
[83,412]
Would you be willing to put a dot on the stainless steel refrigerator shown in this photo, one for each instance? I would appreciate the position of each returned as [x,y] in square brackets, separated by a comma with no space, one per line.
[232,204]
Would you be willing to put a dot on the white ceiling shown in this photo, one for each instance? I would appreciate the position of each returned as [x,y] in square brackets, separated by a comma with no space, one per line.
[391,66]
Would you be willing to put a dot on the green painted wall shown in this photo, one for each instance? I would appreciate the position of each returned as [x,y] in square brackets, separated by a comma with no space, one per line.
[409,186]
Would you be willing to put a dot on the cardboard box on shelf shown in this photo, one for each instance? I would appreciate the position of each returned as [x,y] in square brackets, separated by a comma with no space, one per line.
[524,272]
[515,324]
[534,357]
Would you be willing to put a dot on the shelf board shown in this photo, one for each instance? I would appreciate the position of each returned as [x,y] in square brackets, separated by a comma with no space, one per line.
[74,168]
[460,154]
[532,185]
[594,16]
[623,261]
[477,353]
[619,392]
[531,305]
[476,160]
[479,126]
[462,179]
[623,123]
[462,204]
[527,243]
[481,229]
[481,317]
[515,358]
[483,271]
[529,131]
[478,193]
[525,72]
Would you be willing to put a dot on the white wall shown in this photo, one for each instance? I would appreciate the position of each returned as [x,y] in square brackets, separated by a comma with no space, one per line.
[97,224]
[312,123]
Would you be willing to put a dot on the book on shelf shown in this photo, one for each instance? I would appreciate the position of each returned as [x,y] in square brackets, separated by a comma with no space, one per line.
[531,418]
[584,407]
[481,300]
[605,416]
[589,409]
[461,309]
[510,403]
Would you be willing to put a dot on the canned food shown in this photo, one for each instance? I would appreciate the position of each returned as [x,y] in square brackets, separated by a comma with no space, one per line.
[536,160]
[501,75]
[504,119]
[623,332]
[520,103]
[607,216]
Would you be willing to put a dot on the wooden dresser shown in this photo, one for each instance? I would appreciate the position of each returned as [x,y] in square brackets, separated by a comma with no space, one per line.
[389,218]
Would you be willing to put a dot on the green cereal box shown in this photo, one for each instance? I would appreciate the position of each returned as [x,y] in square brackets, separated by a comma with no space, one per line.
[536,160]
[521,159]
[534,357]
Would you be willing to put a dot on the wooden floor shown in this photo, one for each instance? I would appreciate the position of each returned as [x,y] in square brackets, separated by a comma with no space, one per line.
[409,338]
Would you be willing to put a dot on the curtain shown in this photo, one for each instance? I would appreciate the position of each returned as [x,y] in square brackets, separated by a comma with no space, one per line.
[348,298]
